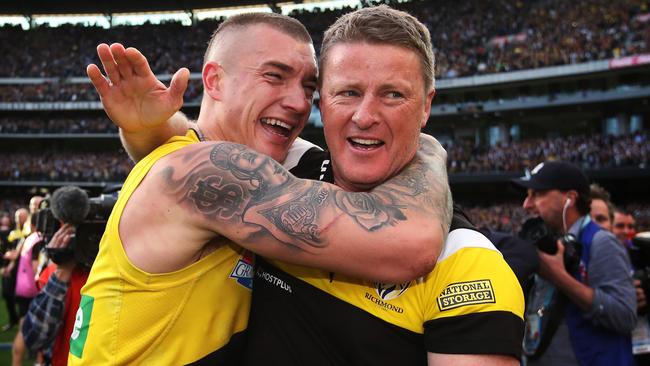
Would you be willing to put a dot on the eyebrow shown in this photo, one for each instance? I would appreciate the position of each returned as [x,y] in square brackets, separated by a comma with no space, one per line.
[286,68]
[279,65]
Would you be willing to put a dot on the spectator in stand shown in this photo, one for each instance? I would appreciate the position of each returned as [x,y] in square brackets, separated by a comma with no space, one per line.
[602,209]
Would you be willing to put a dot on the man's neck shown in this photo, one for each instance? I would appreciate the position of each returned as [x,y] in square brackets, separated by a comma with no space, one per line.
[210,130]
[571,217]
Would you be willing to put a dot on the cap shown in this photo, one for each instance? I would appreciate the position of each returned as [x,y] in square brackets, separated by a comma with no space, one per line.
[555,175]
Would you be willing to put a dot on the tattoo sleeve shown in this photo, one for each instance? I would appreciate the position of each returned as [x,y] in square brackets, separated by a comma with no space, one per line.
[423,185]
[243,191]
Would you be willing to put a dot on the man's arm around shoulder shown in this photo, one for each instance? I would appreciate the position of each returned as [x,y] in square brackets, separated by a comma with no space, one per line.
[248,197]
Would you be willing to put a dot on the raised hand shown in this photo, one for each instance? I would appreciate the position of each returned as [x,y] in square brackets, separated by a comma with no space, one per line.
[134,99]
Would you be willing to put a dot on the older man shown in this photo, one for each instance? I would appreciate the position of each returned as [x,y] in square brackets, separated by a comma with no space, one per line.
[169,286]
[376,91]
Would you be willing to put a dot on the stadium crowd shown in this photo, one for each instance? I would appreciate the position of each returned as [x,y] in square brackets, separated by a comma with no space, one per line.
[46,125]
[592,151]
[65,166]
[65,92]
[588,151]
[470,37]
[48,92]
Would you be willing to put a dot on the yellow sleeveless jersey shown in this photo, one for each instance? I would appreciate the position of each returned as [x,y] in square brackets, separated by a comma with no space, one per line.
[130,317]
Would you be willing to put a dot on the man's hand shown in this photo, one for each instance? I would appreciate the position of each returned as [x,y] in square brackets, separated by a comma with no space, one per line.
[134,99]
[551,267]
[61,240]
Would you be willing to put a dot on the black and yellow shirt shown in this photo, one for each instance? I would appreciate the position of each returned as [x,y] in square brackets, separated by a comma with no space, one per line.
[471,303]
[131,317]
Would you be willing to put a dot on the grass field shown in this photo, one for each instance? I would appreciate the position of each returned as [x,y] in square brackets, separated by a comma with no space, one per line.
[7,338]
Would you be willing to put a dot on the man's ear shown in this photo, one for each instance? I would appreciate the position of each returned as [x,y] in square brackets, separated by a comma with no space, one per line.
[427,107]
[572,195]
[212,79]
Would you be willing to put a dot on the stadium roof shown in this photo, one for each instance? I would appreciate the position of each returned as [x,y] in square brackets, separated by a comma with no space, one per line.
[41,7]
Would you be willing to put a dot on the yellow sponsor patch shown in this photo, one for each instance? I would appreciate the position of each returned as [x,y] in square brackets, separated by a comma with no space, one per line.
[466,293]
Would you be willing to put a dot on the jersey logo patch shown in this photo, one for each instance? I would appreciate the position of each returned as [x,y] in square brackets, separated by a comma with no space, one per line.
[81,324]
[466,293]
[243,270]
[391,291]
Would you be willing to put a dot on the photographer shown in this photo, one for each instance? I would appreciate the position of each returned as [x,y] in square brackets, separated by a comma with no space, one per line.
[51,316]
[578,314]
[74,224]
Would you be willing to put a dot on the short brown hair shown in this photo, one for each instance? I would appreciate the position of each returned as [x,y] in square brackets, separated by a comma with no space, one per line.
[282,23]
[382,25]
[596,192]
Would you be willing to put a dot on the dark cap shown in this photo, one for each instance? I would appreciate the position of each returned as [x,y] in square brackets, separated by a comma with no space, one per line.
[555,175]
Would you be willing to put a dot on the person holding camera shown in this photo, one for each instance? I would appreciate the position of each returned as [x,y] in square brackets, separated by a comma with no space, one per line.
[50,320]
[579,314]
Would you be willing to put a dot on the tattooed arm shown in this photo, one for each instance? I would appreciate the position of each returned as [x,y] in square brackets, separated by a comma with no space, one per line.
[386,235]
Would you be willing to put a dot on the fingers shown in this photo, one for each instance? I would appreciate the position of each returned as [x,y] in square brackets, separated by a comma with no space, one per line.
[110,66]
[99,81]
[139,62]
[123,65]
[178,85]
[62,237]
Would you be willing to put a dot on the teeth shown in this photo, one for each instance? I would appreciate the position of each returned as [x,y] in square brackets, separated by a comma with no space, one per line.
[365,141]
[275,122]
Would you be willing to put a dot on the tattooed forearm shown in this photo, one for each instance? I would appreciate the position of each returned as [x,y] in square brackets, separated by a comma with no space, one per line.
[423,184]
[251,196]
[298,217]
[369,211]
[411,182]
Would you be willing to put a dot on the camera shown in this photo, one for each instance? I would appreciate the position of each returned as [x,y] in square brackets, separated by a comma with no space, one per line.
[90,222]
[535,231]
[640,258]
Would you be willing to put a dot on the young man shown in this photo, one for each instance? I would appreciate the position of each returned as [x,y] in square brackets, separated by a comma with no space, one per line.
[602,209]
[376,91]
[166,287]
[624,226]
